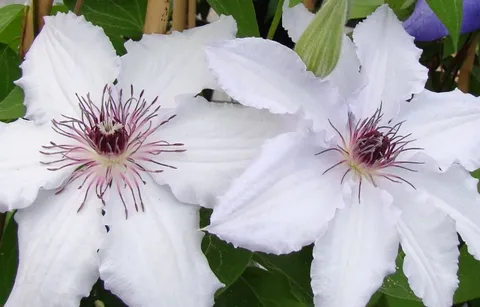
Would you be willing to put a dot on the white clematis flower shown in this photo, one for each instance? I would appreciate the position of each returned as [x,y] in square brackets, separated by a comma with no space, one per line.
[88,145]
[355,182]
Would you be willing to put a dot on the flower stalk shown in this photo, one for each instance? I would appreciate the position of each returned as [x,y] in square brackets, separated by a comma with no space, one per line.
[467,66]
[179,15]
[78,7]
[33,23]
[276,20]
[309,4]
[192,13]
[156,17]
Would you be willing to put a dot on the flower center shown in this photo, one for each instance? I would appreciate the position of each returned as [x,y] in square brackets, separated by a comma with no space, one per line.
[111,145]
[109,136]
[370,149]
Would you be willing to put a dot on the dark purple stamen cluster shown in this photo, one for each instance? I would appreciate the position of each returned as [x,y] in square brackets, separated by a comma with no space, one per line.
[372,148]
[109,138]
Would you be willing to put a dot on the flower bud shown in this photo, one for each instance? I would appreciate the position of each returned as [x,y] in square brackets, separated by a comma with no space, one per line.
[320,44]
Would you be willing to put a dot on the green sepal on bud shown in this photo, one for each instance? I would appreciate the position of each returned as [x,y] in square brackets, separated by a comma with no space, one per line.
[321,43]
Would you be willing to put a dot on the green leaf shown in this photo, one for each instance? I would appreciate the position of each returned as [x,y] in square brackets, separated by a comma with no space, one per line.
[450,13]
[407,3]
[258,287]
[119,18]
[292,3]
[469,277]
[390,301]
[400,4]
[12,106]
[474,303]
[363,8]
[375,299]
[226,261]
[402,8]
[295,267]
[8,260]
[396,285]
[272,7]
[11,17]
[449,47]
[9,66]
[62,8]
[476,173]
[244,13]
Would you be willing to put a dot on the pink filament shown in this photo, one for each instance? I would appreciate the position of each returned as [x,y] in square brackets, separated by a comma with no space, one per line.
[85,155]
[374,157]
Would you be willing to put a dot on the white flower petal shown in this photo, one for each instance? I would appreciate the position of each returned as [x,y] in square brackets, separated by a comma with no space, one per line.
[346,75]
[296,19]
[58,249]
[445,125]
[429,240]
[220,141]
[69,56]
[357,252]
[267,75]
[389,61]
[282,202]
[153,258]
[455,193]
[169,65]
[21,173]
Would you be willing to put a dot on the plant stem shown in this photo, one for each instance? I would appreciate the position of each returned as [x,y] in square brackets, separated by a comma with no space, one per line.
[467,66]
[78,7]
[156,17]
[452,71]
[276,20]
[33,23]
[309,4]
[192,13]
[179,17]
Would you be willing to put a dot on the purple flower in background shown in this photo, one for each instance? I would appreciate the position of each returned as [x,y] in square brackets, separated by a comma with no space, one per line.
[424,25]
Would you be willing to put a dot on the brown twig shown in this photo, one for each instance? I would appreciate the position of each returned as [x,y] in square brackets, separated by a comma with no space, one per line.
[192,13]
[467,66]
[33,23]
[156,17]
[309,4]
[78,7]
[179,16]
[451,72]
